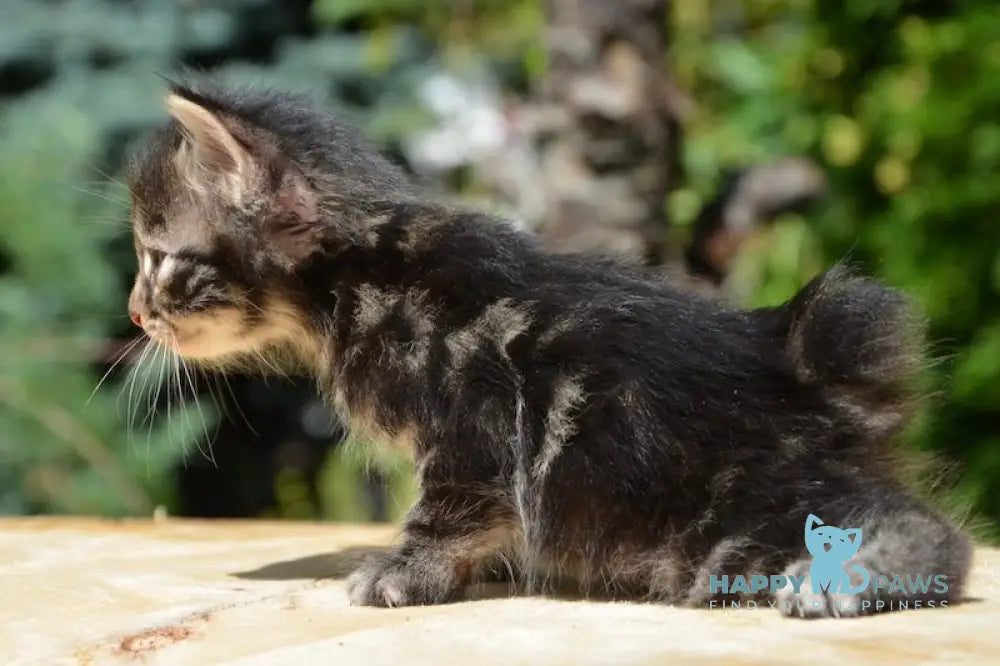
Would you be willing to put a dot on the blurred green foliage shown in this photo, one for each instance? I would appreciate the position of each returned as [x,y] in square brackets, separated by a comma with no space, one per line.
[79,80]
[61,450]
[898,99]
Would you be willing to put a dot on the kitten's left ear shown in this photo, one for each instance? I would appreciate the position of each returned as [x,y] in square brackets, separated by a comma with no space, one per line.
[210,148]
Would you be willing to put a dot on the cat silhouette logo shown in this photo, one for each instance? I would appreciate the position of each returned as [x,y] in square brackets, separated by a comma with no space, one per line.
[830,547]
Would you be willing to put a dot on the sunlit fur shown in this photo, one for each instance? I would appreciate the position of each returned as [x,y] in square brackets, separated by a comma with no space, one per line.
[568,415]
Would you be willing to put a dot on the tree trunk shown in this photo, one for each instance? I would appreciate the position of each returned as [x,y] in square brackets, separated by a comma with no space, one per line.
[610,152]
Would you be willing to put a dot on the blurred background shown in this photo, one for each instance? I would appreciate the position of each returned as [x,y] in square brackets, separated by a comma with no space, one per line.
[741,145]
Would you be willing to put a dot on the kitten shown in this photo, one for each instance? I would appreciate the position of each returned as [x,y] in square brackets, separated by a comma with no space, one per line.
[566,413]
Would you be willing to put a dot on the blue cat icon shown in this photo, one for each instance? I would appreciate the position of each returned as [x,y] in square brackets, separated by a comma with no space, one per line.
[830,547]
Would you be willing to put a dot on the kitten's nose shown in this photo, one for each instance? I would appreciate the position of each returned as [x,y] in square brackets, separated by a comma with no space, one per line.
[135,317]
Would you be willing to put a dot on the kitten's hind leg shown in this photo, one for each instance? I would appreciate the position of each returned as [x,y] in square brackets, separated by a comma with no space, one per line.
[448,538]
[905,547]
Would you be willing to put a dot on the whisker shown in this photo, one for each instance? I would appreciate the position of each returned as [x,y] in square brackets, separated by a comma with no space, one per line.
[156,397]
[145,389]
[102,195]
[220,399]
[201,413]
[108,178]
[211,394]
[102,182]
[133,374]
[119,357]
[150,415]
[110,226]
[236,403]
[250,304]
[176,382]
[210,456]
[102,218]
[171,372]
[220,403]
[151,396]
[268,364]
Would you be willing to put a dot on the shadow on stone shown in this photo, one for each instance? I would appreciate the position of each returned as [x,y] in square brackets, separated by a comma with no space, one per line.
[496,584]
[342,563]
[339,564]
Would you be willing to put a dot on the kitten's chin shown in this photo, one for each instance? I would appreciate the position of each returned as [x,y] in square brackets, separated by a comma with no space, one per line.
[213,336]
[205,348]
[223,338]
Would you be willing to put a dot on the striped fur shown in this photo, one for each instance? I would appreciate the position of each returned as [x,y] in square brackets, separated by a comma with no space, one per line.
[570,416]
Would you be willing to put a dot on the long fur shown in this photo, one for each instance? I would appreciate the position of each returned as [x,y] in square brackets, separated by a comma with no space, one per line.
[567,414]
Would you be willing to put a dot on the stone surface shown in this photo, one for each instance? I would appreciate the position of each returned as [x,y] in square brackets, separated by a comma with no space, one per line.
[196,592]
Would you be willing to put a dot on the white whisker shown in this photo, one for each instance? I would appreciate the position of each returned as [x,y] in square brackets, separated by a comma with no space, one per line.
[160,361]
[108,179]
[133,374]
[201,414]
[122,354]
[210,455]
[236,403]
[176,382]
[124,203]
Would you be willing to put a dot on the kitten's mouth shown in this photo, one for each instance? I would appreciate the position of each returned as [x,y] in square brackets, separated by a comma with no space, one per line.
[205,335]
[182,341]
[827,547]
[161,331]
[173,337]
[188,344]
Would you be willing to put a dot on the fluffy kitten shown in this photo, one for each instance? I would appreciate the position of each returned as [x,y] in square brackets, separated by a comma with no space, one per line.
[566,413]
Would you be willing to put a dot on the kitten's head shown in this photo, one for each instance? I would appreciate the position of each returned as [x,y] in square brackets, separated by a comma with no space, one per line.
[831,543]
[231,201]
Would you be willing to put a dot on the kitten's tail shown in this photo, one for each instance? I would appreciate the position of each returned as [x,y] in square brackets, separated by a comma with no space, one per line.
[860,340]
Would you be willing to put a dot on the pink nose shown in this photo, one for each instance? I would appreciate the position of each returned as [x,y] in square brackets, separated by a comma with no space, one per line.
[135,317]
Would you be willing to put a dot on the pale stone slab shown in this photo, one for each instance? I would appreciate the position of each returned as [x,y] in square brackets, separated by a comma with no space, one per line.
[78,591]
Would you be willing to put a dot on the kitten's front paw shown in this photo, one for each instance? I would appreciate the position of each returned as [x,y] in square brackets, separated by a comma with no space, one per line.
[392,581]
[808,604]
[812,605]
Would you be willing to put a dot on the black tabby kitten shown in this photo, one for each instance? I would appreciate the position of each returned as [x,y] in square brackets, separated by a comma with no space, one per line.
[567,414]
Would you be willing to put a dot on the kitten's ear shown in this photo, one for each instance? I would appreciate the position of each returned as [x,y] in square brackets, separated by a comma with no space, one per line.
[854,534]
[812,521]
[295,229]
[210,146]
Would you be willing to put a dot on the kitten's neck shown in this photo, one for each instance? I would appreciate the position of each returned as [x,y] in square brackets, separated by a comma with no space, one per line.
[383,242]
[371,243]
[394,248]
